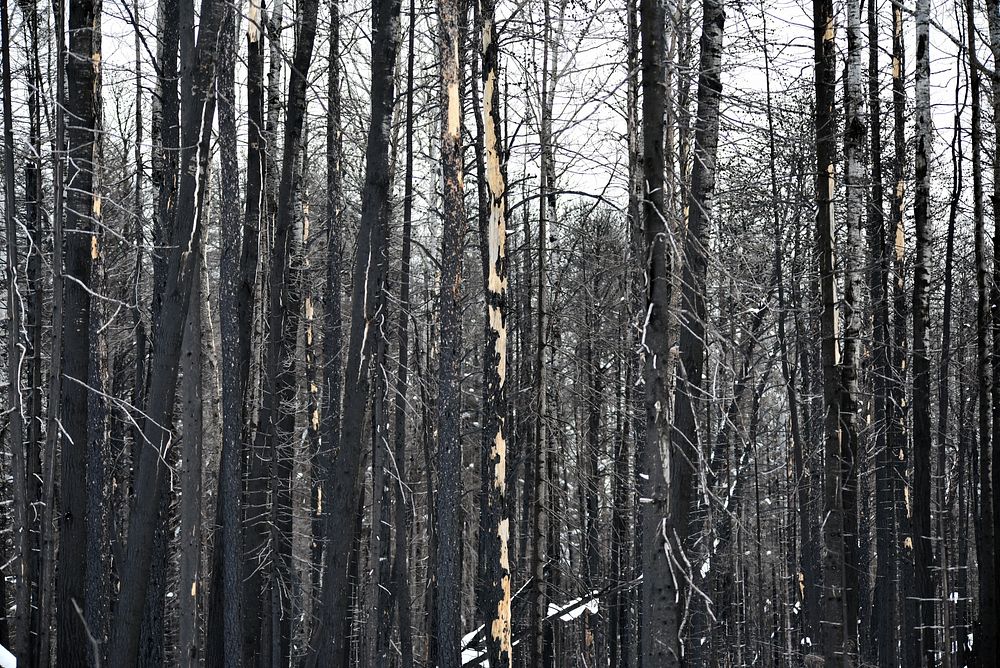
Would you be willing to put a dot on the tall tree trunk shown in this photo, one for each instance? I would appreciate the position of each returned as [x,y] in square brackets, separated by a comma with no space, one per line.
[993,16]
[923,551]
[82,213]
[223,642]
[253,507]
[285,295]
[383,598]
[150,478]
[15,361]
[495,597]
[850,400]
[328,642]
[897,426]
[35,214]
[52,431]
[986,645]
[688,397]
[448,499]
[833,637]
[403,507]
[332,347]
[883,647]
[945,504]
[660,501]
[189,585]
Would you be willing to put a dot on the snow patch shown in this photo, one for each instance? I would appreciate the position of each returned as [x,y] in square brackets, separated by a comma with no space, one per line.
[573,612]
[7,660]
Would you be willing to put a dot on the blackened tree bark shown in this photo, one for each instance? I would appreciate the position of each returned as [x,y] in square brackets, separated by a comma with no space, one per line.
[165,178]
[189,568]
[990,620]
[688,395]
[945,529]
[448,510]
[329,642]
[15,361]
[402,508]
[660,610]
[34,208]
[494,525]
[850,400]
[254,511]
[833,637]
[223,642]
[332,346]
[898,437]
[383,599]
[82,213]
[883,647]
[285,295]
[197,111]
[986,646]
[700,205]
[52,432]
[923,552]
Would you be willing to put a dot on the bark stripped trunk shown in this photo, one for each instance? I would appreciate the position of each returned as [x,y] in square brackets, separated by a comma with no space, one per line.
[495,597]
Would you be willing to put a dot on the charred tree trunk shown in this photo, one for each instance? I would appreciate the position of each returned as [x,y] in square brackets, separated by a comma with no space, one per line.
[850,400]
[82,213]
[199,61]
[15,360]
[883,647]
[495,597]
[986,646]
[403,502]
[189,585]
[991,616]
[328,641]
[661,586]
[285,303]
[224,647]
[252,510]
[923,552]
[448,499]
[833,636]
